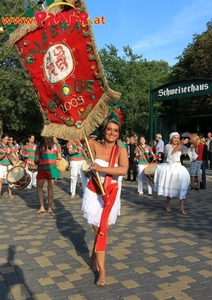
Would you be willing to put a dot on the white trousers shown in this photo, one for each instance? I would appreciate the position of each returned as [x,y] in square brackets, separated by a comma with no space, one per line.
[76,170]
[33,175]
[141,177]
[3,173]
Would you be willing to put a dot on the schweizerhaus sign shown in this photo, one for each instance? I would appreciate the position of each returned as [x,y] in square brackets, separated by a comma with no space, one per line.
[182,89]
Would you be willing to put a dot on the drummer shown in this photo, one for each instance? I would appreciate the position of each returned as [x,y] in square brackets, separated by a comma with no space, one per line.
[28,152]
[6,158]
[13,145]
[143,152]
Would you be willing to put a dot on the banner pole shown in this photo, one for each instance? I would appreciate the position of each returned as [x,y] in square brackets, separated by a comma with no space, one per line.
[97,174]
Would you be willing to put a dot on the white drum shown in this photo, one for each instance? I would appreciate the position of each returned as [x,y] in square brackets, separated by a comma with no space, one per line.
[62,165]
[18,177]
[149,171]
[86,167]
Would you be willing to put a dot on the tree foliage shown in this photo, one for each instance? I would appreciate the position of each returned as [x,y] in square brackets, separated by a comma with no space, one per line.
[195,62]
[131,75]
[19,112]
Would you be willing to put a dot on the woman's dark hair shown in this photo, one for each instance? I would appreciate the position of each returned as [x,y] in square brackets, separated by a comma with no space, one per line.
[47,142]
[4,135]
[142,136]
[30,136]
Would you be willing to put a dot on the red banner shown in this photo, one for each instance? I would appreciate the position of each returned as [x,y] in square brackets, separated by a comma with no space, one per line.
[64,66]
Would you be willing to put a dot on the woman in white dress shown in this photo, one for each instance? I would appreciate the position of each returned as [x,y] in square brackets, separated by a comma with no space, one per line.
[171,178]
[92,202]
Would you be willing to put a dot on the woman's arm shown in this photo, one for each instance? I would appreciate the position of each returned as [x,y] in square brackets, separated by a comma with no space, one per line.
[153,155]
[137,151]
[23,152]
[59,154]
[72,150]
[37,155]
[122,168]
[178,147]
[36,160]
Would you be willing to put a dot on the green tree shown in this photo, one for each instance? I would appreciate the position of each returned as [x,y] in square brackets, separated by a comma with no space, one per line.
[19,112]
[195,62]
[131,75]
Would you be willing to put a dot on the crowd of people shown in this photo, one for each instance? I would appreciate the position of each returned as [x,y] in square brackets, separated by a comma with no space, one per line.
[111,160]
[140,155]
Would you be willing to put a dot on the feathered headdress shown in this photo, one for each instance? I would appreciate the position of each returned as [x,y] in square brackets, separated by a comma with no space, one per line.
[114,114]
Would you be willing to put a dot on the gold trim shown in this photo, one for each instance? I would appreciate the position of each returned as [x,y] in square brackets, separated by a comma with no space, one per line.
[93,121]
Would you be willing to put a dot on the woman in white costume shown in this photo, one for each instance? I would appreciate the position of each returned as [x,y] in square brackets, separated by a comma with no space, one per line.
[171,178]
[92,203]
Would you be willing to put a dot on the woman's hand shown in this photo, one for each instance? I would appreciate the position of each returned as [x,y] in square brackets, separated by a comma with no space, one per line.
[95,167]
[184,141]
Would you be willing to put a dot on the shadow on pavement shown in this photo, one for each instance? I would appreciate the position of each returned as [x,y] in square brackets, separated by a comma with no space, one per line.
[74,231]
[197,205]
[14,281]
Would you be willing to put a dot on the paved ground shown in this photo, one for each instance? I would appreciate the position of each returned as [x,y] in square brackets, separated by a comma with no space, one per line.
[151,254]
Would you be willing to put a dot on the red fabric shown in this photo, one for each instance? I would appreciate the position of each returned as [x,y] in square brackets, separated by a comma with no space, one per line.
[199,151]
[101,240]
[93,185]
[57,59]
[111,190]
[44,175]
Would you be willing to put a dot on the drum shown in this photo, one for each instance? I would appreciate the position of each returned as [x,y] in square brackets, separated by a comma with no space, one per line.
[20,163]
[62,165]
[86,167]
[32,166]
[149,171]
[18,177]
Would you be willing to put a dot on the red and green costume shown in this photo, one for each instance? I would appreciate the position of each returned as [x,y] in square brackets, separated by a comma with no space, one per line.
[47,162]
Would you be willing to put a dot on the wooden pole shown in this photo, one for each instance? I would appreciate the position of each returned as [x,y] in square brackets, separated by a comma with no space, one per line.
[97,174]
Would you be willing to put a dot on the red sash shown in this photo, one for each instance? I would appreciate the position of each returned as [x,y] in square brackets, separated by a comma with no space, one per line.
[111,190]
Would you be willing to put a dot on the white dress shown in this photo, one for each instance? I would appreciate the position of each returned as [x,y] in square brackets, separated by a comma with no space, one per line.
[171,178]
[92,203]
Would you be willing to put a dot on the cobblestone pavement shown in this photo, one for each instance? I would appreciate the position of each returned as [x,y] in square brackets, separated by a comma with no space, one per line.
[151,254]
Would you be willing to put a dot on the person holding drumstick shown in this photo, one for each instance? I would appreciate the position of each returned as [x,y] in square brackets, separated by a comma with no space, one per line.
[111,161]
[6,158]
[171,178]
[28,152]
[45,157]
[143,152]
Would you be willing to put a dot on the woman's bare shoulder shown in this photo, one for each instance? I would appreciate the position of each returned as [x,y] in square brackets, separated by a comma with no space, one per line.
[122,150]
